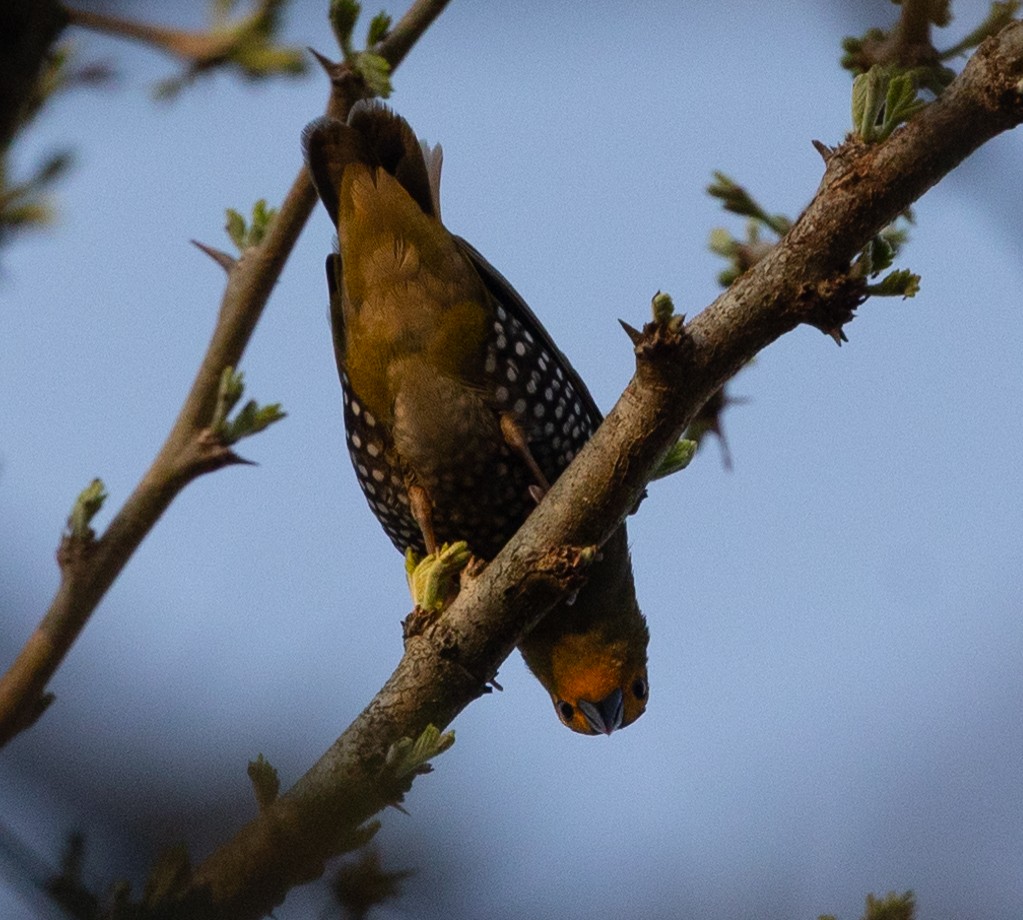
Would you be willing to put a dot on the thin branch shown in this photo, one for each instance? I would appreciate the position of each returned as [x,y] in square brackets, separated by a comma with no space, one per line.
[189,451]
[407,30]
[912,35]
[909,43]
[193,47]
[446,667]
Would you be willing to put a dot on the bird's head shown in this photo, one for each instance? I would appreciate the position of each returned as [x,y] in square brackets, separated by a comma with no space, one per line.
[590,654]
[598,685]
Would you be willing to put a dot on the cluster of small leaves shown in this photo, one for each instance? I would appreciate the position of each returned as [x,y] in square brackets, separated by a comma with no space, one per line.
[247,234]
[878,256]
[407,758]
[877,46]
[85,508]
[24,205]
[891,907]
[742,254]
[663,308]
[168,880]
[251,419]
[362,885]
[735,198]
[374,69]
[248,43]
[882,99]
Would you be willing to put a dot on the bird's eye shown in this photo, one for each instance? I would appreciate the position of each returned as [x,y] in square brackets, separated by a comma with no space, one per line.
[639,688]
[565,710]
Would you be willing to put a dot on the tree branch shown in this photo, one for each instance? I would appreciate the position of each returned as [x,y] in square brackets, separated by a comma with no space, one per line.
[804,279]
[89,567]
[192,47]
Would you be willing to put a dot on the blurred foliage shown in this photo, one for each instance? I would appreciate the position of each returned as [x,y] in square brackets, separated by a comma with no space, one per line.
[361,885]
[247,44]
[891,907]
[68,888]
[900,48]
[25,202]
[251,418]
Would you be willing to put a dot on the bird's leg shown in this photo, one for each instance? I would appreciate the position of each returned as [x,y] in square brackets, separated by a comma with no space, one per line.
[432,579]
[516,439]
[422,511]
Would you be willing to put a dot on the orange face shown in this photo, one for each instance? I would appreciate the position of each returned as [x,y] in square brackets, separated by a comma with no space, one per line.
[598,686]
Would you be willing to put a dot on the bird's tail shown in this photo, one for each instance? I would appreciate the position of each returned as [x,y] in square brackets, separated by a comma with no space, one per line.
[376,137]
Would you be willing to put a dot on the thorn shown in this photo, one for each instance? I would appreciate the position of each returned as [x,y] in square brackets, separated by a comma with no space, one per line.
[493,683]
[824,150]
[572,598]
[635,336]
[233,459]
[838,334]
[398,806]
[537,493]
[223,259]
[329,66]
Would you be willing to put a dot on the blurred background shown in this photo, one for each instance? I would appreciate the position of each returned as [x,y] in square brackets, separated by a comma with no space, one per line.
[837,637]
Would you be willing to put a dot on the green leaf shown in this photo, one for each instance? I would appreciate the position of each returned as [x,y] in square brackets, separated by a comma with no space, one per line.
[882,99]
[736,199]
[250,420]
[882,254]
[343,16]
[677,458]
[867,100]
[900,283]
[407,757]
[376,71]
[901,102]
[378,29]
[663,307]
[229,391]
[235,228]
[722,243]
[246,235]
[85,508]
[891,907]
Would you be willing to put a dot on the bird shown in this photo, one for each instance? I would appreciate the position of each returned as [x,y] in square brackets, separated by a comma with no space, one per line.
[459,409]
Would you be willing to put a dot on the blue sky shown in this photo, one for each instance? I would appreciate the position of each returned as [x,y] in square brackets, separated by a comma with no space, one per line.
[836,629]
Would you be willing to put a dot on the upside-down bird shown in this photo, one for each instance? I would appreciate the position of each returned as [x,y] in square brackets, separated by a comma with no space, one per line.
[459,408]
